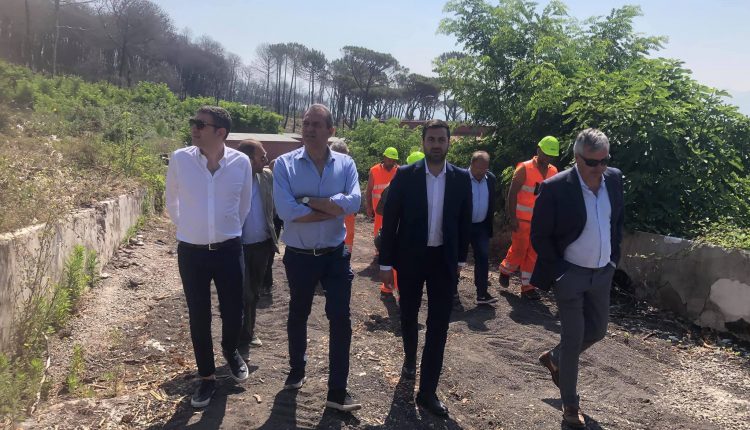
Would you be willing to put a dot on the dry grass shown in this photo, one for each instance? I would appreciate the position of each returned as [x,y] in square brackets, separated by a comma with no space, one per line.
[42,178]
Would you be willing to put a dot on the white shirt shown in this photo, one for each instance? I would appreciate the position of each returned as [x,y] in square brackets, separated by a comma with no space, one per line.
[593,247]
[435,199]
[208,208]
[255,228]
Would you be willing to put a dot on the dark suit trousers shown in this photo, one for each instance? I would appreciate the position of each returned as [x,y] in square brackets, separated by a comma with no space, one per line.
[480,245]
[197,268]
[256,264]
[334,272]
[583,304]
[439,304]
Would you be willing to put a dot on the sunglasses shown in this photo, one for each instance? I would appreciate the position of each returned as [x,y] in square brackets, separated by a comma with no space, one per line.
[593,163]
[200,124]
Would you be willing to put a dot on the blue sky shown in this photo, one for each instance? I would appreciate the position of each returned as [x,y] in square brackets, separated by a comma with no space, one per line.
[710,36]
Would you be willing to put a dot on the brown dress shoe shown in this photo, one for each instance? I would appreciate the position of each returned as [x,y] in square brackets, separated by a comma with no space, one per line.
[573,416]
[546,360]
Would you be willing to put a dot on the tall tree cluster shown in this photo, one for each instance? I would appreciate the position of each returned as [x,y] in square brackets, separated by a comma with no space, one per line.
[128,41]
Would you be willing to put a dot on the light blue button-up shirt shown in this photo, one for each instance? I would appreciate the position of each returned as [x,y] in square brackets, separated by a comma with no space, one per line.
[593,247]
[480,199]
[255,228]
[295,176]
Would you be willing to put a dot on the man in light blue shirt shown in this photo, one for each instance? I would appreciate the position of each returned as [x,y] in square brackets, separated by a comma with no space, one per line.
[314,189]
[482,217]
[576,230]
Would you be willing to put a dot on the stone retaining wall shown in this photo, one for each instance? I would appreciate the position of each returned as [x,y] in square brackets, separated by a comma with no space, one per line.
[101,229]
[707,284]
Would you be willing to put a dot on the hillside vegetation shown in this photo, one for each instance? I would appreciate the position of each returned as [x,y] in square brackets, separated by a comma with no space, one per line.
[66,143]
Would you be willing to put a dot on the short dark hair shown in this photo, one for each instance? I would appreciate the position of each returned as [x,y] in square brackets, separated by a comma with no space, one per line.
[220,116]
[248,147]
[435,123]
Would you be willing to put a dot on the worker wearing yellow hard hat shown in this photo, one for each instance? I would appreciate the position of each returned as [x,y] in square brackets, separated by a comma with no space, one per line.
[520,206]
[381,175]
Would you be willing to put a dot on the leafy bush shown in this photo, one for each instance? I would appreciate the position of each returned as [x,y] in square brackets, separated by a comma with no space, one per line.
[368,140]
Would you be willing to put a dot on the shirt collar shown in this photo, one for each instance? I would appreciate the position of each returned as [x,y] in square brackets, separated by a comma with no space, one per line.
[305,155]
[580,179]
[475,179]
[442,172]
[204,160]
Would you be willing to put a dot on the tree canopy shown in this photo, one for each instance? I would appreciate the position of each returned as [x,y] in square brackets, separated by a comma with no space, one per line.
[531,72]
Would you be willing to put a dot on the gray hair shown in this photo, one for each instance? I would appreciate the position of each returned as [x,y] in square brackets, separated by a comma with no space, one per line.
[322,108]
[592,139]
[340,146]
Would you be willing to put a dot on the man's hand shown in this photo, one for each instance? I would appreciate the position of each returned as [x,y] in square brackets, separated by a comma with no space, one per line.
[386,277]
[370,212]
[513,223]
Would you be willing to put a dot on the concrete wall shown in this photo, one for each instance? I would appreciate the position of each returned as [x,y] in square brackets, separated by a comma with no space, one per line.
[707,284]
[101,228]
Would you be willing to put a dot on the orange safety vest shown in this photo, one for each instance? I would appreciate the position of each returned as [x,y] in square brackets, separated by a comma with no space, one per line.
[381,178]
[526,195]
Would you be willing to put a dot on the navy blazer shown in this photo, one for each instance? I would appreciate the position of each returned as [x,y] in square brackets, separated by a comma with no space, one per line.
[404,232]
[559,218]
[490,218]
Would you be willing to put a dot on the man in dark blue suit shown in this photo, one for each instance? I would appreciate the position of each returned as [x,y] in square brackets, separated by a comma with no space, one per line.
[425,237]
[576,230]
[482,217]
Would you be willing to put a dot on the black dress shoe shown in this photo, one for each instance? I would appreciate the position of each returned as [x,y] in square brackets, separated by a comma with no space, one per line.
[409,372]
[432,404]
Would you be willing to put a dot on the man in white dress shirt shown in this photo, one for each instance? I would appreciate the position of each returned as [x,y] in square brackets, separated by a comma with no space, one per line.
[208,193]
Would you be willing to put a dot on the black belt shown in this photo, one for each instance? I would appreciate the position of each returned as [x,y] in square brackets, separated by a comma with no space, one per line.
[317,252]
[214,246]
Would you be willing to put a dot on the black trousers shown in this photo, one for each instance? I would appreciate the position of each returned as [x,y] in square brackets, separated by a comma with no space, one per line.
[435,273]
[198,267]
[256,263]
[333,271]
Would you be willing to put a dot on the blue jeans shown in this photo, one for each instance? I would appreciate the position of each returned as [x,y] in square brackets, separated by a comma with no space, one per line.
[334,272]
[197,268]
[480,245]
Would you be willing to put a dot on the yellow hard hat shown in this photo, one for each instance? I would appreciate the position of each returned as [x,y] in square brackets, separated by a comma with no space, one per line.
[414,157]
[391,153]
[550,146]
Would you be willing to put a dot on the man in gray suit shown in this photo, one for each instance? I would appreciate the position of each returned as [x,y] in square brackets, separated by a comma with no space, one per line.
[576,231]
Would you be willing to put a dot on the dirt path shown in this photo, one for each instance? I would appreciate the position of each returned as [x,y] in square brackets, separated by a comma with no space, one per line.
[139,364]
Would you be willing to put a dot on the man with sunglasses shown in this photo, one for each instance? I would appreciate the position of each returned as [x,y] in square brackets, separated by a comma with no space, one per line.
[576,230]
[208,196]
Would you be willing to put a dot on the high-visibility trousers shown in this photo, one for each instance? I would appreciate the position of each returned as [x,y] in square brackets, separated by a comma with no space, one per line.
[388,289]
[378,224]
[521,255]
[349,240]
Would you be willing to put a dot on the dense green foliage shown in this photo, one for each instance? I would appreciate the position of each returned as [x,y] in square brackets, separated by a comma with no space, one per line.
[369,139]
[530,73]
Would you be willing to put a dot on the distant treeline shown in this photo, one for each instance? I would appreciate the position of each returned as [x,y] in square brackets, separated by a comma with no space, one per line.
[128,41]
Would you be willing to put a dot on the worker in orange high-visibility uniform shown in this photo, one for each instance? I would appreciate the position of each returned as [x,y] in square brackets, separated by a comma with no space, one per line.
[519,207]
[379,179]
[380,176]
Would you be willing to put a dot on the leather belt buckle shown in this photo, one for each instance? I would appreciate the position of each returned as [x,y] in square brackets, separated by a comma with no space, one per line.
[213,246]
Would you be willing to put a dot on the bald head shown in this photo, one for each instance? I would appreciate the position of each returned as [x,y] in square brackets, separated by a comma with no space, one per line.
[255,151]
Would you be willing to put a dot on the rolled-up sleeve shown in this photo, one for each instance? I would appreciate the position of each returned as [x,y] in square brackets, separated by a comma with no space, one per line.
[283,198]
[172,190]
[351,200]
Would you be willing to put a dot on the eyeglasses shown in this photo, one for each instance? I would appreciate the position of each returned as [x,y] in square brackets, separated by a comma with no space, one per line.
[593,163]
[200,124]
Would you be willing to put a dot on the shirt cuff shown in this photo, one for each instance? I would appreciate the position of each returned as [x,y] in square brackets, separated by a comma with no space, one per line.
[386,268]
[612,263]
[461,263]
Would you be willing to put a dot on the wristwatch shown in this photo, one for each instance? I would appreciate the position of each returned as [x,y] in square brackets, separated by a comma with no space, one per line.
[305,200]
